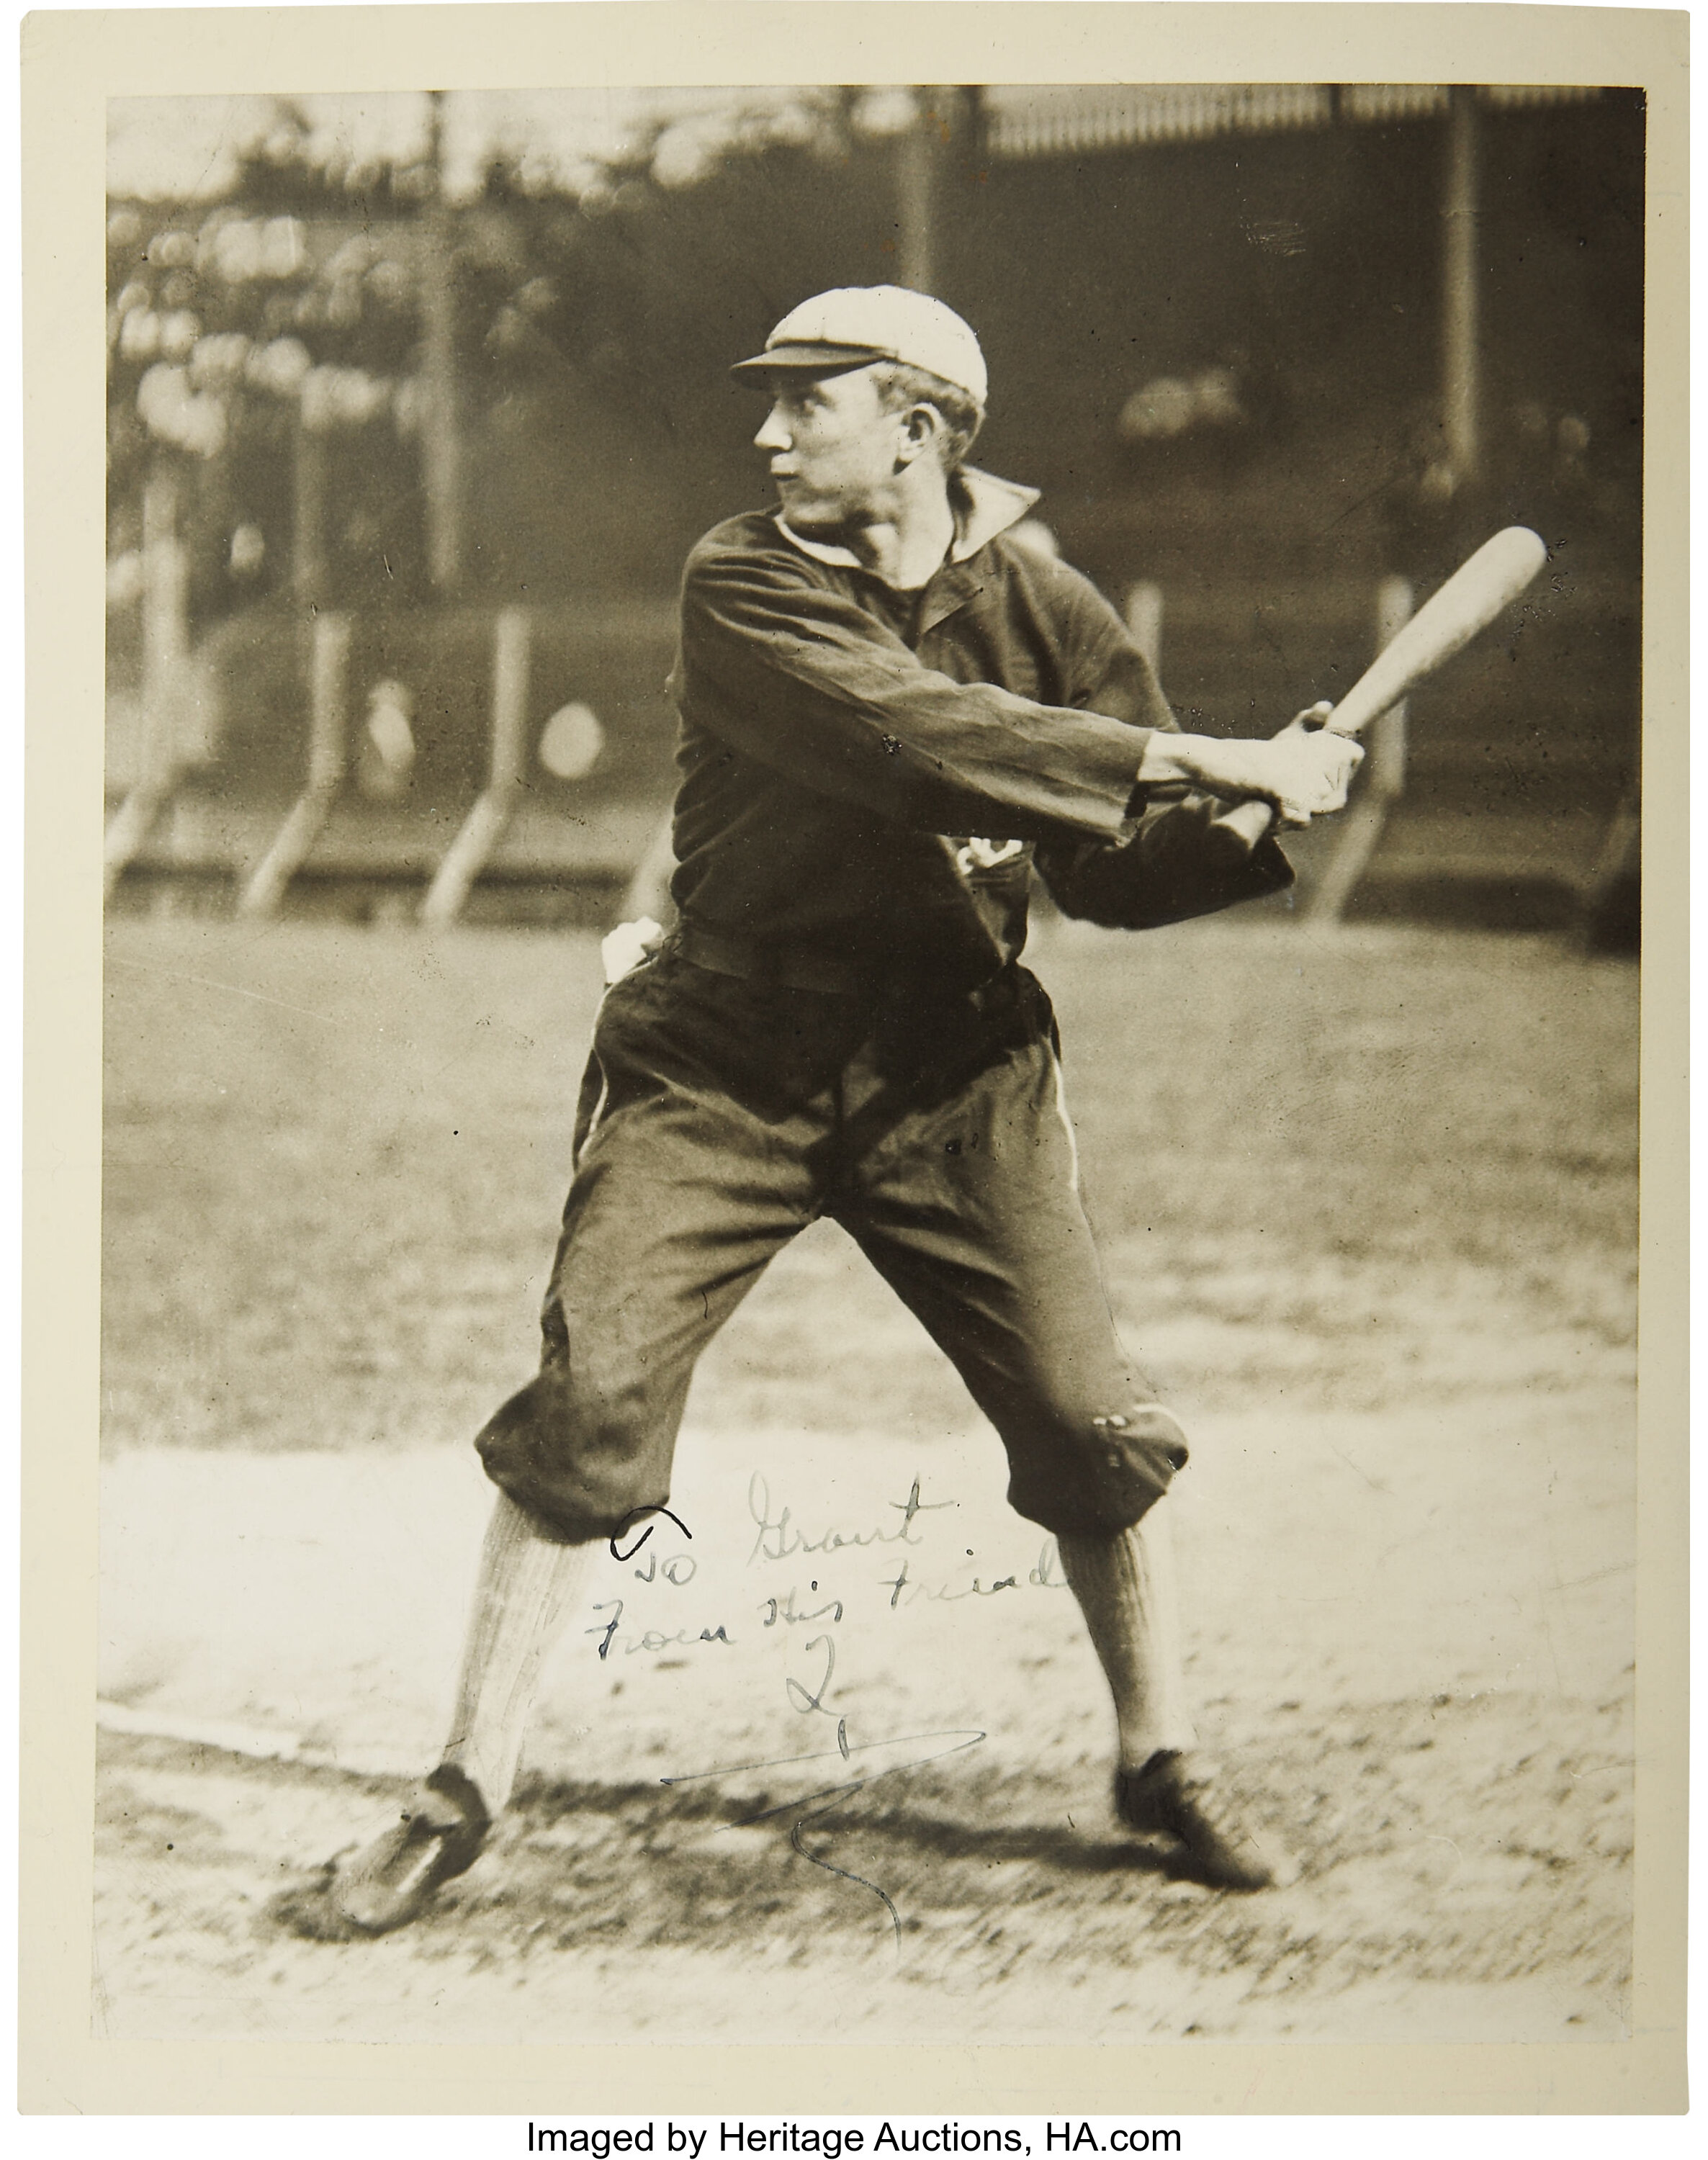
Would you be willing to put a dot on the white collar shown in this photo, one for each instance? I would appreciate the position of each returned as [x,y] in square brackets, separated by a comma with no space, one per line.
[988,506]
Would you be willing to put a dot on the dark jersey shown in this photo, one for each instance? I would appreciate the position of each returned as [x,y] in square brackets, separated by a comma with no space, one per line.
[870,774]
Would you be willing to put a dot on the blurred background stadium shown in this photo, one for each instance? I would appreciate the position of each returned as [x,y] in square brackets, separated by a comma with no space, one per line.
[416,403]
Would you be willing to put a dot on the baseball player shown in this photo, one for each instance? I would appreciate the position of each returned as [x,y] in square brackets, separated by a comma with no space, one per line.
[893,716]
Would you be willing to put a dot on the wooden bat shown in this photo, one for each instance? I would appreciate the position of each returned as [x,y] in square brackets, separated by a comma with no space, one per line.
[1446,623]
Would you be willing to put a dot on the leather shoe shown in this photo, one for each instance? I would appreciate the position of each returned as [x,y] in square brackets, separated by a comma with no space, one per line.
[1184,1797]
[389,1882]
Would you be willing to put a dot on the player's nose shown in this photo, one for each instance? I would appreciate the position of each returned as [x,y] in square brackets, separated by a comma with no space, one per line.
[774,435]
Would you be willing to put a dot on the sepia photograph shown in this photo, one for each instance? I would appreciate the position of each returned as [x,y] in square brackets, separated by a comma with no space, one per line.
[872,876]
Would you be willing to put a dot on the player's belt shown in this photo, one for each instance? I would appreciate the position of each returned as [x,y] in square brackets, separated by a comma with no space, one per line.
[774,967]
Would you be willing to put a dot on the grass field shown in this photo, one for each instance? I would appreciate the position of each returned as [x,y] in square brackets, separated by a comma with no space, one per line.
[1367,1205]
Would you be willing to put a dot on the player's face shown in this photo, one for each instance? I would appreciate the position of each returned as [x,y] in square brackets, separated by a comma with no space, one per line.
[833,448]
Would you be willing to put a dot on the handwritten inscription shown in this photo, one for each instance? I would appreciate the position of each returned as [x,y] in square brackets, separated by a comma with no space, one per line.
[780,1537]
[807,1702]
[654,1639]
[941,1591]
[855,1565]
[679,1568]
[633,1519]
[1045,1576]
[783,1608]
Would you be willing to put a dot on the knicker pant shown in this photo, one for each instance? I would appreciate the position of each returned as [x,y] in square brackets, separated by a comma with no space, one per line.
[717,1120]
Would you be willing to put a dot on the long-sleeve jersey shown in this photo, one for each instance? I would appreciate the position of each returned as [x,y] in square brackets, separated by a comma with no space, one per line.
[871,774]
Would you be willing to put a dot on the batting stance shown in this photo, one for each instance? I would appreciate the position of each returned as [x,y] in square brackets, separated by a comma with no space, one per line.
[893,714]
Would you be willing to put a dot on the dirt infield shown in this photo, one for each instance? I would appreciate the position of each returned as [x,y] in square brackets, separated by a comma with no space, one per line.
[1366,1204]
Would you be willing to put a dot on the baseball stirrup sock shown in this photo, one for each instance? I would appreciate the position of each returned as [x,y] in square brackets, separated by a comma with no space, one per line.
[1125,1586]
[526,1587]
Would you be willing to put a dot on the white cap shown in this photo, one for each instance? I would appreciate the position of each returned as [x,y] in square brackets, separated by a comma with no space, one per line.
[859,324]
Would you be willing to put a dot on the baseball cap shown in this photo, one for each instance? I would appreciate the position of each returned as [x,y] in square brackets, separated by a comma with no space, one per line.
[855,324]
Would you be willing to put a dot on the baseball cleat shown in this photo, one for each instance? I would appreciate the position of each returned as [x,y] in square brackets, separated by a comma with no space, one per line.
[389,1882]
[1182,1796]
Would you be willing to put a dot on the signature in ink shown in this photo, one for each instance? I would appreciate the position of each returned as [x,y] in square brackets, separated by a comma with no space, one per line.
[830,1797]
[800,1700]
[786,1539]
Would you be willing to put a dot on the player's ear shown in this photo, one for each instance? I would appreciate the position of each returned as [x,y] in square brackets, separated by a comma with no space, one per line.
[921,429]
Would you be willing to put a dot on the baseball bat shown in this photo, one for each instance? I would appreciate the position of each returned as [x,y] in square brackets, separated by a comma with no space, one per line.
[1469,601]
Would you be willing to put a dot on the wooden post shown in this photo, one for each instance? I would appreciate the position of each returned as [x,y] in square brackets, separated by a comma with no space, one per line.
[440,446]
[308,515]
[486,824]
[165,626]
[511,655]
[328,671]
[1611,899]
[915,200]
[165,653]
[1385,776]
[1145,621]
[1460,387]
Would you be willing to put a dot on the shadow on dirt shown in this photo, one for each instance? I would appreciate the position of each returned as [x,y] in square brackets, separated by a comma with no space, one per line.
[578,1846]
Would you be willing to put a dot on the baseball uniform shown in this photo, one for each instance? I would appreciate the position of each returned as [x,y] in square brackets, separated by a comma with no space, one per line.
[839,1026]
